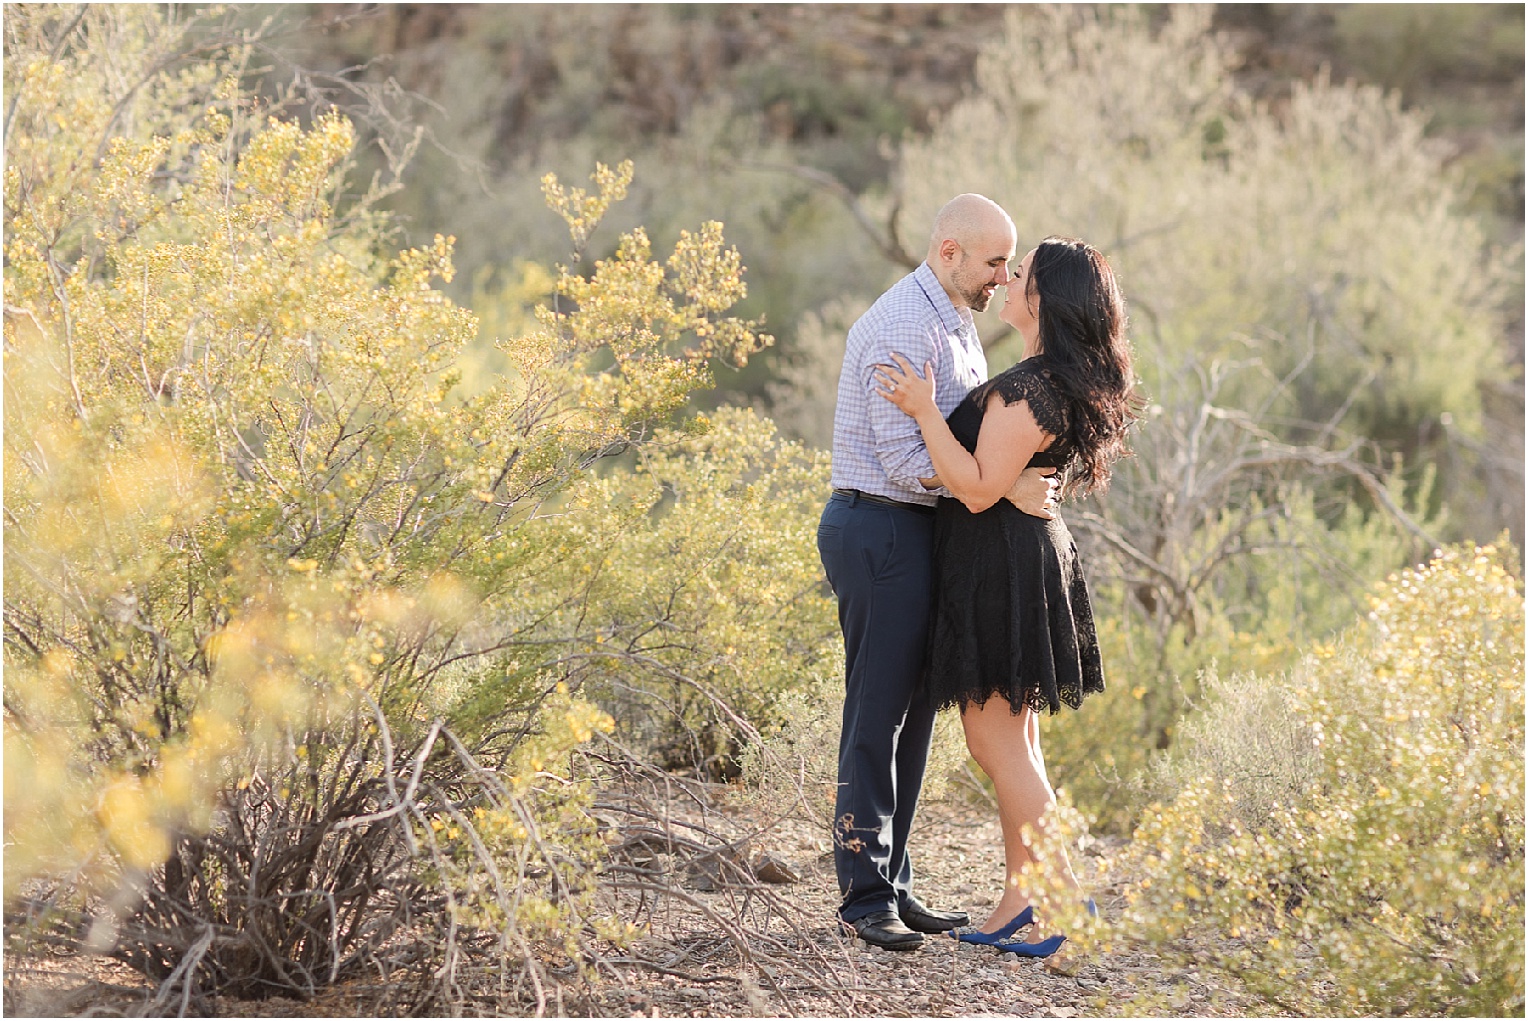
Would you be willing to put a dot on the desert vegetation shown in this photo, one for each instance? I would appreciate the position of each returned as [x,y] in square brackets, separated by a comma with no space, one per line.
[410,492]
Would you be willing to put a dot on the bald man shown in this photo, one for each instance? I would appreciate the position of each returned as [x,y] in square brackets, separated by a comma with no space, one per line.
[876,543]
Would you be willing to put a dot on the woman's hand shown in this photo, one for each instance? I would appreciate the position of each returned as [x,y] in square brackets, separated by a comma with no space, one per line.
[900,385]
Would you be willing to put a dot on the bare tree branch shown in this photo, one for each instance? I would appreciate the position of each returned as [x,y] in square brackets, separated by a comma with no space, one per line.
[885,240]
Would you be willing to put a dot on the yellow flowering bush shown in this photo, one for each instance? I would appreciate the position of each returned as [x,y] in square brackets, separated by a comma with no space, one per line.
[1296,579]
[275,592]
[524,859]
[689,587]
[1391,881]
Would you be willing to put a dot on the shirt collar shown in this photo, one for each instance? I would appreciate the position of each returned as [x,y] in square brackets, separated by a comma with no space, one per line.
[948,313]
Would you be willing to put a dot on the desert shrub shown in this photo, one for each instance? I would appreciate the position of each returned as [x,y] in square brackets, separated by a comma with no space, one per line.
[804,394]
[1245,734]
[792,766]
[1438,57]
[689,588]
[794,763]
[1260,582]
[1407,46]
[266,569]
[1391,880]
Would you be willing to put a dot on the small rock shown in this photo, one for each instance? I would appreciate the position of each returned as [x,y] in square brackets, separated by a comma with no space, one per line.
[714,870]
[1063,1012]
[1063,964]
[770,869]
[703,878]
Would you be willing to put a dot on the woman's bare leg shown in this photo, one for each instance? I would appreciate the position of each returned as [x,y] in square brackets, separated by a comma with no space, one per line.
[1007,747]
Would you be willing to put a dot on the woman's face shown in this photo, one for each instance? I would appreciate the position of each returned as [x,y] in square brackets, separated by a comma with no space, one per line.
[1021,310]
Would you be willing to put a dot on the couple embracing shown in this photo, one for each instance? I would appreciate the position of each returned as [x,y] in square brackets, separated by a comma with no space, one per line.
[956,584]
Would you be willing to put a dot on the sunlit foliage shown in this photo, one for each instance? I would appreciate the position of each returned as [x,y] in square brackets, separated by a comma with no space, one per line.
[695,581]
[1382,870]
[318,634]
[262,558]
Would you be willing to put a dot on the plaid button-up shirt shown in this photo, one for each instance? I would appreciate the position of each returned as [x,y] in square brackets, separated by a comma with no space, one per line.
[876,447]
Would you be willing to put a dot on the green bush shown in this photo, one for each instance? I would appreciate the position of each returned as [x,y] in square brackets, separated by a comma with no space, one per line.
[1410,45]
[1263,580]
[278,693]
[688,590]
[1245,732]
[1386,877]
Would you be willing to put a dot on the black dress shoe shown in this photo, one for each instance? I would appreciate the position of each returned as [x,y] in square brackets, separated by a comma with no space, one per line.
[920,919]
[885,930]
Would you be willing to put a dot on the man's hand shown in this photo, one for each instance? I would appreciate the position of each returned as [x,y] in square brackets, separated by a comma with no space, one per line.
[1035,492]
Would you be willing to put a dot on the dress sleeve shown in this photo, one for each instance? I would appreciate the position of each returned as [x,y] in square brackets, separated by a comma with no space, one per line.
[1034,386]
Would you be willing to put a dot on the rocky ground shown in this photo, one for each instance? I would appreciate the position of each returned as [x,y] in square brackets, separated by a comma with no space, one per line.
[696,960]
[960,866]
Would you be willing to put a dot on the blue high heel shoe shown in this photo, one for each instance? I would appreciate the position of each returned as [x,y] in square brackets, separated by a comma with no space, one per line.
[971,934]
[1044,948]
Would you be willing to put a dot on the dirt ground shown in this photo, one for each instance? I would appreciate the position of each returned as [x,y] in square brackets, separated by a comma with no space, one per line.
[688,967]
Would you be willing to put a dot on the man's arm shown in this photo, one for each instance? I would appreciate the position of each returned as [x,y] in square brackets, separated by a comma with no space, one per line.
[899,444]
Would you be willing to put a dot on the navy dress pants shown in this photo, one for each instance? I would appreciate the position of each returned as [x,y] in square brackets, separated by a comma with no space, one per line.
[878,559]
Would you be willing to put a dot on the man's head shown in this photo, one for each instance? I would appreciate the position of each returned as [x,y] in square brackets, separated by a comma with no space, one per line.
[972,241]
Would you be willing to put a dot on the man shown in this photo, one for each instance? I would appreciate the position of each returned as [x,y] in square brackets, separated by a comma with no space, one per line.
[876,543]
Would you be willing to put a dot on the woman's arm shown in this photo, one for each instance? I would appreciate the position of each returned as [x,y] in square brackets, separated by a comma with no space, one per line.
[1009,437]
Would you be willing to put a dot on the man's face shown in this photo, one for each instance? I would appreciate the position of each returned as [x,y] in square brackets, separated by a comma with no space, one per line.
[980,270]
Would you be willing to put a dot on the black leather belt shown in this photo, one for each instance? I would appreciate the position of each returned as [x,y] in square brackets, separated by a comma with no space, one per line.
[855,494]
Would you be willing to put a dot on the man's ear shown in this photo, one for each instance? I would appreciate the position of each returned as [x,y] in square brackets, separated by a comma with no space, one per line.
[949,250]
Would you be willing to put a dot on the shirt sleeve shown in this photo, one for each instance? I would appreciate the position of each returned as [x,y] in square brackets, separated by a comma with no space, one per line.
[899,443]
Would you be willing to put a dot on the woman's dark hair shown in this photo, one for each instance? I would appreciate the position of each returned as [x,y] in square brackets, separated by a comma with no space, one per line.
[1084,351]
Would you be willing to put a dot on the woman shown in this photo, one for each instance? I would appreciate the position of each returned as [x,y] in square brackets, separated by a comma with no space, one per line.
[1013,630]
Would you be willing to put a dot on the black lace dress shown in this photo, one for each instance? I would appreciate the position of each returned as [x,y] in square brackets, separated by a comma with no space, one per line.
[1011,614]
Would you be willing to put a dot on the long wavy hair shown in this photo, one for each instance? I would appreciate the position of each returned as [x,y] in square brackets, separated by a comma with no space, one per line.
[1084,350]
